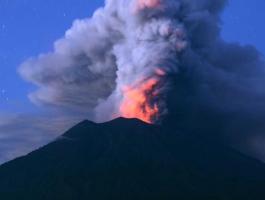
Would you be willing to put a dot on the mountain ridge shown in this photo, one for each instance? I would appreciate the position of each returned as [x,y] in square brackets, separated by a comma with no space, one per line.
[130,159]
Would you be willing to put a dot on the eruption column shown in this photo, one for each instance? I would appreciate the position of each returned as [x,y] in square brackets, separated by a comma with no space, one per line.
[136,101]
[148,4]
[138,98]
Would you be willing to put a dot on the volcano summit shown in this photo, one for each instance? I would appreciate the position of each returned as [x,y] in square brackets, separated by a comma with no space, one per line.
[129,159]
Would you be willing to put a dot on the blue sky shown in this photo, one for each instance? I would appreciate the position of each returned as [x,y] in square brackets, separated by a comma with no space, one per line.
[29,27]
[244,22]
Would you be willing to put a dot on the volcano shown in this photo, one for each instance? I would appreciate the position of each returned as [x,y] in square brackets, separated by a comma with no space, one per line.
[128,159]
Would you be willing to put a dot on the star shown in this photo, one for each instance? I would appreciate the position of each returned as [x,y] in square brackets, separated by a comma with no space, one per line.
[3,26]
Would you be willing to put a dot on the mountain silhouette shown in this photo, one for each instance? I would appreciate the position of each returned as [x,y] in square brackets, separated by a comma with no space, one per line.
[127,159]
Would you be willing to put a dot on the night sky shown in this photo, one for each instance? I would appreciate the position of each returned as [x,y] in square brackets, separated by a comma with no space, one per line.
[30,27]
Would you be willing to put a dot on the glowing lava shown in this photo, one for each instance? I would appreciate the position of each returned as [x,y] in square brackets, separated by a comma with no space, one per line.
[142,4]
[136,101]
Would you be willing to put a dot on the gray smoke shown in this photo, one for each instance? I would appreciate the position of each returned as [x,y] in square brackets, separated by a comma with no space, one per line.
[208,83]
[23,133]
[123,42]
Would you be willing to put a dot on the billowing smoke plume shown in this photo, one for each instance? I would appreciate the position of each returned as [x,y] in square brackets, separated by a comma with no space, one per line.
[114,63]
[158,60]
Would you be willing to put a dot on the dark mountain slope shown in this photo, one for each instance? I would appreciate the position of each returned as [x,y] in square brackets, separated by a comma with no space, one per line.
[129,160]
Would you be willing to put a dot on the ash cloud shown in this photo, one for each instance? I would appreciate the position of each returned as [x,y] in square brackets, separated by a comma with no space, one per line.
[210,86]
[23,133]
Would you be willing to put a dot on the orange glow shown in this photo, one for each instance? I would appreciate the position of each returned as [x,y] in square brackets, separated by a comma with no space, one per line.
[136,103]
[142,4]
[160,72]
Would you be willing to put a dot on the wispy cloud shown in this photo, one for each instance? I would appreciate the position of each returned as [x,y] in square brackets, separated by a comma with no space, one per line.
[23,133]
